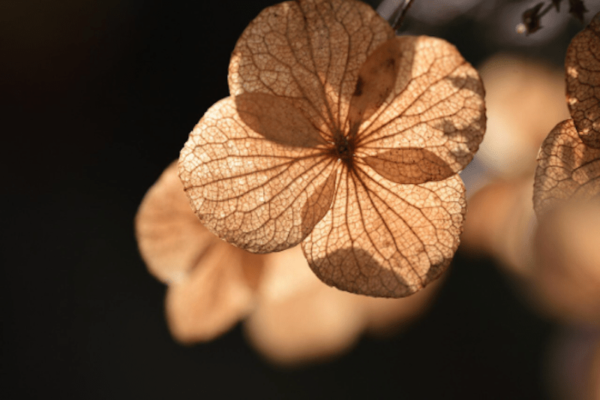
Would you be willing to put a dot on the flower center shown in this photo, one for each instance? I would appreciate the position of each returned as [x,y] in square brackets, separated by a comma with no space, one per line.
[344,148]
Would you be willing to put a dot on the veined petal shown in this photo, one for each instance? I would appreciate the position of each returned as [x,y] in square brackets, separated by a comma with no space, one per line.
[250,191]
[309,52]
[582,64]
[567,168]
[384,239]
[437,104]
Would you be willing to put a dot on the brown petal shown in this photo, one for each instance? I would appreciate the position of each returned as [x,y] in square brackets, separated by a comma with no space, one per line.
[299,319]
[214,296]
[567,168]
[308,52]
[376,79]
[384,239]
[410,165]
[277,120]
[169,235]
[567,277]
[437,104]
[248,190]
[583,82]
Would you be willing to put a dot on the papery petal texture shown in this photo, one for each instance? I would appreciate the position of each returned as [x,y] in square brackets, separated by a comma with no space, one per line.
[582,64]
[437,103]
[255,193]
[567,168]
[308,52]
[385,239]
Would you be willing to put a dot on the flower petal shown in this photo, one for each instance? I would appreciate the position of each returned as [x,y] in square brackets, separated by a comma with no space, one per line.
[215,295]
[254,193]
[170,237]
[410,165]
[437,103]
[384,239]
[299,319]
[309,52]
[567,168]
[277,120]
[582,63]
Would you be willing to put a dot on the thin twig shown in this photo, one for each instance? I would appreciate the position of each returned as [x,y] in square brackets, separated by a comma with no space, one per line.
[400,19]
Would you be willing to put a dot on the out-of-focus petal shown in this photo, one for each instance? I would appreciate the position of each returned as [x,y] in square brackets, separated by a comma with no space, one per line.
[567,274]
[300,319]
[169,235]
[524,101]
[214,296]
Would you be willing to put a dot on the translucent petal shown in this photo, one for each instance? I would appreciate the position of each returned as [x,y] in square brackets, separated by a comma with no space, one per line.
[385,239]
[252,192]
[308,52]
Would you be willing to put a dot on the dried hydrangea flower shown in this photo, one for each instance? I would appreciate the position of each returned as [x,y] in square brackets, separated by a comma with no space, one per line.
[291,316]
[343,138]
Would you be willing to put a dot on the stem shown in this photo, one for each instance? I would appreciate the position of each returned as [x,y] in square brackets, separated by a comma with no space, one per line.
[398,23]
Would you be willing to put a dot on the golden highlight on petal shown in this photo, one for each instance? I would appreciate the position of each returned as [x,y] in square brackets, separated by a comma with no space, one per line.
[384,239]
[248,190]
[410,165]
[567,168]
[277,120]
[437,103]
[308,52]
[582,64]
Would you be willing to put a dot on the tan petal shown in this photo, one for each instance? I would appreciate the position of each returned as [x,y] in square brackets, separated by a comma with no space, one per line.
[566,168]
[214,296]
[582,63]
[409,165]
[567,273]
[376,80]
[277,120]
[309,52]
[437,103]
[384,239]
[524,101]
[170,237]
[254,193]
[299,319]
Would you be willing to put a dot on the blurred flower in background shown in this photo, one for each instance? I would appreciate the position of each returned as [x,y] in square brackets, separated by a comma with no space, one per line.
[289,315]
[555,257]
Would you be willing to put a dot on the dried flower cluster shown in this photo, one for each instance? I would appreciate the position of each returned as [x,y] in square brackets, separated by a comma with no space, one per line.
[343,138]
[289,315]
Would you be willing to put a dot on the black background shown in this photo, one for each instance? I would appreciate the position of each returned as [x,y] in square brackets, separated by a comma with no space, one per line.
[97,97]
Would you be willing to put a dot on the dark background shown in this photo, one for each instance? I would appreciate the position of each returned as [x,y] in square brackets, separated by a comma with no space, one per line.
[97,97]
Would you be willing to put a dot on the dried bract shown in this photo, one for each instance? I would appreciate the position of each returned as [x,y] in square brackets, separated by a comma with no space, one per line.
[343,138]
[582,64]
[211,284]
[567,273]
[567,169]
